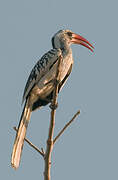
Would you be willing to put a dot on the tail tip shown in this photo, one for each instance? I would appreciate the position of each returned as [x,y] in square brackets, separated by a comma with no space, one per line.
[14,166]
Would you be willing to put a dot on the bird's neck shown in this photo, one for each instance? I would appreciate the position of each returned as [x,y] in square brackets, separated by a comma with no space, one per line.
[64,46]
[66,51]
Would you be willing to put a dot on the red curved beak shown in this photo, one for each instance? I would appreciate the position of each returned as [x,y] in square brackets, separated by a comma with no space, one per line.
[77,39]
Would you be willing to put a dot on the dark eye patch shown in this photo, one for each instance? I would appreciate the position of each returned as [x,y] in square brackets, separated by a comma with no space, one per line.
[69,34]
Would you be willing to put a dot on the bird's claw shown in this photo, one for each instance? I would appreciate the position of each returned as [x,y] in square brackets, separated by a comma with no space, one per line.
[53,106]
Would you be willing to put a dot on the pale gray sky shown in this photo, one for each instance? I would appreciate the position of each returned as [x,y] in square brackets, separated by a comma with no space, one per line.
[89,148]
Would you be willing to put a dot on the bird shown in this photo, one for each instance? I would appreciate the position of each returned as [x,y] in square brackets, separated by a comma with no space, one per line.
[39,88]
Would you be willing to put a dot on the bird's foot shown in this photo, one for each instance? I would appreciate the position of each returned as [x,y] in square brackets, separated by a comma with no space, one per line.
[53,106]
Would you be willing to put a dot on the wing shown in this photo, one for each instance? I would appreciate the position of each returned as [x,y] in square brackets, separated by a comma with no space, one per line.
[40,69]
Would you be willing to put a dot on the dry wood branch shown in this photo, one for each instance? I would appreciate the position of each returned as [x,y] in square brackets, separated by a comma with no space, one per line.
[32,145]
[67,125]
[51,141]
[53,107]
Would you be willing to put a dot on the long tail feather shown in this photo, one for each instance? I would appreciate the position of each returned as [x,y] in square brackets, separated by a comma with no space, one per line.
[20,136]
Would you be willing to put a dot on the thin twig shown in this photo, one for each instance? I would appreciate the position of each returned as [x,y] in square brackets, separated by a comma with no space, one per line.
[67,125]
[32,145]
[42,150]
[53,107]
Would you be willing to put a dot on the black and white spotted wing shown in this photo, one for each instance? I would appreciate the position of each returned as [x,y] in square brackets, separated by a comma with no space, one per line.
[40,69]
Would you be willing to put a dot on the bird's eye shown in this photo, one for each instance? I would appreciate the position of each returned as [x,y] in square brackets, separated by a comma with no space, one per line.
[69,34]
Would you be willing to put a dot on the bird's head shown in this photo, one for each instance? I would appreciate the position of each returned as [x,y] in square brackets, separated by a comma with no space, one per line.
[64,38]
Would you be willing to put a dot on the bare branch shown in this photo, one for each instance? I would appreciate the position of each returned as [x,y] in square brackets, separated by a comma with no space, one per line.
[53,107]
[43,151]
[67,125]
[50,141]
[32,145]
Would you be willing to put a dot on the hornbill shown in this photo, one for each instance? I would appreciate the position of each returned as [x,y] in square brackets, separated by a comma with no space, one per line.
[40,84]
